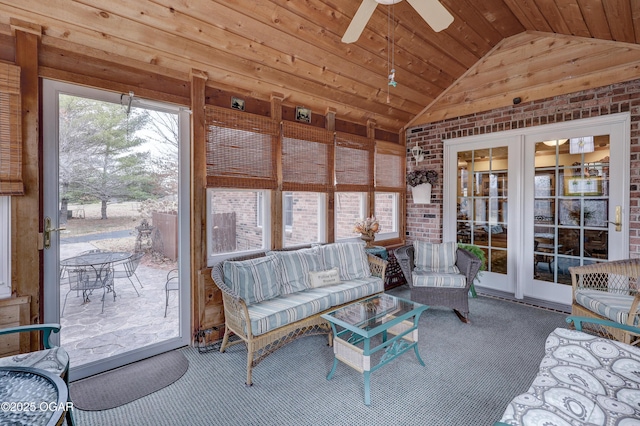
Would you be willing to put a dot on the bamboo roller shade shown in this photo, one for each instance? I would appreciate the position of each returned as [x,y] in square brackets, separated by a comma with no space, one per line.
[354,163]
[241,151]
[390,164]
[10,131]
[307,158]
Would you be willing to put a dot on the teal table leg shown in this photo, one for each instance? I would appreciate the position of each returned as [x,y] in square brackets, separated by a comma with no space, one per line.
[415,348]
[333,369]
[416,319]
[367,388]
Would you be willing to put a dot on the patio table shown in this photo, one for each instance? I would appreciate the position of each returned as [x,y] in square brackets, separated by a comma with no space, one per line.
[101,262]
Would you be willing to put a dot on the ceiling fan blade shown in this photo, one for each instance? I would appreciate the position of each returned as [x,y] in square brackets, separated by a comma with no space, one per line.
[433,12]
[360,19]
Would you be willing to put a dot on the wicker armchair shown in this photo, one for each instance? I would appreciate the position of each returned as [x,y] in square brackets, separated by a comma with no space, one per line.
[456,298]
[609,291]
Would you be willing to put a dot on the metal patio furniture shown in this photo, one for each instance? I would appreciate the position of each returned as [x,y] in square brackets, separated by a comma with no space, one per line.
[51,359]
[86,279]
[127,269]
[172,284]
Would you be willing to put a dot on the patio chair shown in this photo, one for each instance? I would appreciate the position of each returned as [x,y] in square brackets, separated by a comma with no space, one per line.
[440,274]
[53,359]
[127,269]
[172,284]
[86,280]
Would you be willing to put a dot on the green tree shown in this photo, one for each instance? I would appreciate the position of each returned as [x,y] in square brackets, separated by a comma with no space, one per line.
[101,156]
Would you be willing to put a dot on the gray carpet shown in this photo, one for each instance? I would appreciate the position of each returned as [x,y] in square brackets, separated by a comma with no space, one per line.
[472,372]
[126,384]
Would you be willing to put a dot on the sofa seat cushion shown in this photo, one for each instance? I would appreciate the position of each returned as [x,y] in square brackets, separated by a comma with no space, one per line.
[287,308]
[609,305]
[350,259]
[254,280]
[436,257]
[295,266]
[583,379]
[54,360]
[438,279]
[348,291]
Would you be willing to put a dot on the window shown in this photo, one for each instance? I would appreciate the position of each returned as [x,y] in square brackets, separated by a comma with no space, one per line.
[5,247]
[349,208]
[390,183]
[237,221]
[307,216]
[387,207]
[287,211]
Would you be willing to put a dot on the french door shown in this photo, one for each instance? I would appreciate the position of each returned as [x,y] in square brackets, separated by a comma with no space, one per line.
[116,209]
[540,200]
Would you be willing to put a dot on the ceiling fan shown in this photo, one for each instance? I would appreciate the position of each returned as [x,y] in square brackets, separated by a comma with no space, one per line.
[431,11]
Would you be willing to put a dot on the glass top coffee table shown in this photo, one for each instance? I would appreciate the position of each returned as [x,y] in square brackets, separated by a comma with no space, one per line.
[361,334]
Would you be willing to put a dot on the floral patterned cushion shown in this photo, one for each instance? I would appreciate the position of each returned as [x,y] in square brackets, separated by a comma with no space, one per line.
[583,380]
[54,360]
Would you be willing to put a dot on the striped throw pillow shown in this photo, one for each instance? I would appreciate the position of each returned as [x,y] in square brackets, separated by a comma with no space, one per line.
[254,280]
[350,259]
[436,257]
[295,266]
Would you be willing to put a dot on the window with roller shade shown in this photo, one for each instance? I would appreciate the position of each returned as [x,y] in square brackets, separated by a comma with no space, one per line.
[11,182]
[389,187]
[246,162]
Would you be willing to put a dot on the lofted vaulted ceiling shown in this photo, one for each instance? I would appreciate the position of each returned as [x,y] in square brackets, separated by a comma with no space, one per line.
[258,47]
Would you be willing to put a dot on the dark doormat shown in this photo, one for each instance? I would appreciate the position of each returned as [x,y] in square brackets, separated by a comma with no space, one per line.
[128,383]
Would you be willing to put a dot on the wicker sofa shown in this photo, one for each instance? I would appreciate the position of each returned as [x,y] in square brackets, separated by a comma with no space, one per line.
[609,290]
[272,298]
[441,284]
[583,380]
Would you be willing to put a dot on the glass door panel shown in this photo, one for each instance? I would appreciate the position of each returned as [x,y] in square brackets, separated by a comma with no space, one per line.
[571,200]
[482,202]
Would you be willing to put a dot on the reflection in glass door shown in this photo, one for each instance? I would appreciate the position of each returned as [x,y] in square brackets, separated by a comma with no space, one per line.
[571,206]
[482,216]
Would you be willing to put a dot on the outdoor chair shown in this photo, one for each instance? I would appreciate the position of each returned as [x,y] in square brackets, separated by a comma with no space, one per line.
[439,274]
[127,269]
[608,291]
[87,279]
[53,359]
[172,284]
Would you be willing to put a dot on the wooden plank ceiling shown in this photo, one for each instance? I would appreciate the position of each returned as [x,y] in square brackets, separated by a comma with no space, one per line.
[255,48]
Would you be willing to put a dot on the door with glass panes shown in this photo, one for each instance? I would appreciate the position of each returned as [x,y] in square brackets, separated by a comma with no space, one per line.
[540,201]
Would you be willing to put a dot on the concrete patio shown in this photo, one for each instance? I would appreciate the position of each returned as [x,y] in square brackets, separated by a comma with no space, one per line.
[129,322]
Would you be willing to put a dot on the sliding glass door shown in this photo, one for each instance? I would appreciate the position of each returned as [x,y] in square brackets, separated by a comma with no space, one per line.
[540,200]
[116,225]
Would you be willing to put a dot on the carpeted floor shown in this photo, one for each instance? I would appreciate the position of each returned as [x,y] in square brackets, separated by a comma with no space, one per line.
[472,372]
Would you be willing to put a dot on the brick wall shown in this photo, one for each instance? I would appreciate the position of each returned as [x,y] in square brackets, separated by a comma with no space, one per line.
[424,221]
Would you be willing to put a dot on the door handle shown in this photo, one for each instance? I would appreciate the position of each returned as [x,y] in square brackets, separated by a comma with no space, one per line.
[618,219]
[48,230]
